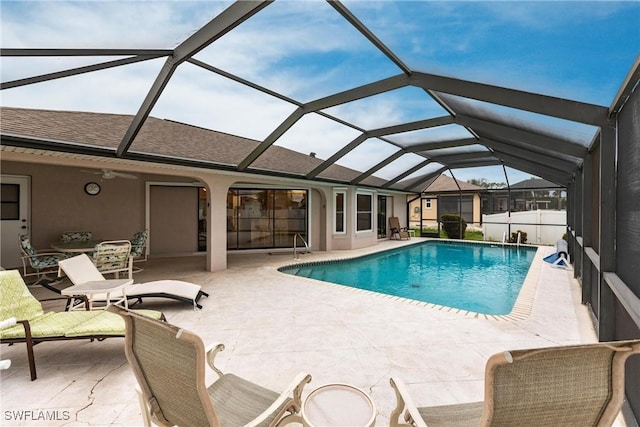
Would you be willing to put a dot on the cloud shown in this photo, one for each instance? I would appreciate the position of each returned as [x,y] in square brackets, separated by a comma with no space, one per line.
[100,24]
[306,50]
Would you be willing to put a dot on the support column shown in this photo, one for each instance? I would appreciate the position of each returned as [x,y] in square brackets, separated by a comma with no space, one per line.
[578,226]
[217,188]
[587,204]
[606,330]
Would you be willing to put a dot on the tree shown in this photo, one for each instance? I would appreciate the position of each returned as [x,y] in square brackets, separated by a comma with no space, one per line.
[482,182]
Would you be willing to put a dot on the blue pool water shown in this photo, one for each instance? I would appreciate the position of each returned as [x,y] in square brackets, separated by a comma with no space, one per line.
[476,277]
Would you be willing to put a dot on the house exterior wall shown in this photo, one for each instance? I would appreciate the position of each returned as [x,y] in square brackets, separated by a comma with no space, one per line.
[58,203]
[124,206]
[430,215]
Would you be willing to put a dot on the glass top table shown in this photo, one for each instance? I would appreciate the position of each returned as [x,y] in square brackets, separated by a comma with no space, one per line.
[75,246]
[339,405]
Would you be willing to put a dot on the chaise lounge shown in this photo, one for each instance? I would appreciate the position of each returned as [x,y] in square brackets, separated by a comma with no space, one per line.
[35,326]
[80,270]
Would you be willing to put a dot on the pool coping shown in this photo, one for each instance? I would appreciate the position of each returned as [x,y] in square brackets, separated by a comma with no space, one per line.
[521,308]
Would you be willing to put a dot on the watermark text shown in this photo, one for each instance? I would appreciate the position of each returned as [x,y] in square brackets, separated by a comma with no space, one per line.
[36,415]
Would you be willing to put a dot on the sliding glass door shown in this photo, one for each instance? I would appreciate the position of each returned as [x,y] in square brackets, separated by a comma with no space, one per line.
[265,218]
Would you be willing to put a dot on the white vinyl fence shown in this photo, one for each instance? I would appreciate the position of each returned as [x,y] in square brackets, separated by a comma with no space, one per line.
[542,227]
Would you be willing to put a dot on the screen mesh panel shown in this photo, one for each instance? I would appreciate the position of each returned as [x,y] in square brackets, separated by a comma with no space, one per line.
[628,194]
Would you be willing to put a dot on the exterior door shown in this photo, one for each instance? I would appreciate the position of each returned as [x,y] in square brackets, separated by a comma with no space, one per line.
[14,198]
[173,219]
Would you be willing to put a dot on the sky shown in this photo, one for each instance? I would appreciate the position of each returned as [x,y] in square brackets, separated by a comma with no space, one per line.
[305,50]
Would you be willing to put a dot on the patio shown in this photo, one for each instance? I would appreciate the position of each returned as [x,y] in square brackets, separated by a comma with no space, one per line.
[275,325]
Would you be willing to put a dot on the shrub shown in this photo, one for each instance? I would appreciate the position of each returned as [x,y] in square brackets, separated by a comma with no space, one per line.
[514,237]
[451,224]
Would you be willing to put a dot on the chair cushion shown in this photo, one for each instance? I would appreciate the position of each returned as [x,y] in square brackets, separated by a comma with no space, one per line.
[137,243]
[157,287]
[70,236]
[238,401]
[15,298]
[44,261]
[25,243]
[172,287]
[53,324]
[105,323]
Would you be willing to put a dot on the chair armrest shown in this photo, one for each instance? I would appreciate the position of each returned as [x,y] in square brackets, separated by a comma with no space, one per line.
[211,351]
[294,389]
[412,416]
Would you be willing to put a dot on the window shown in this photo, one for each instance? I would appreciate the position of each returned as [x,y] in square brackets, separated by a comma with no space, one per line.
[451,205]
[340,217]
[427,203]
[10,202]
[364,212]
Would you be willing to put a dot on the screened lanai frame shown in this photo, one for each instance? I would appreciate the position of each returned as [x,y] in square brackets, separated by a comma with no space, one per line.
[598,171]
[495,140]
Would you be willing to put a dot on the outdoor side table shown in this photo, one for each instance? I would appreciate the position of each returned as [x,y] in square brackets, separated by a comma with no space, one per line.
[338,405]
[109,287]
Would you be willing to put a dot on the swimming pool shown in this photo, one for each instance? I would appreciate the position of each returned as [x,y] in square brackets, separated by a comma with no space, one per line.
[482,278]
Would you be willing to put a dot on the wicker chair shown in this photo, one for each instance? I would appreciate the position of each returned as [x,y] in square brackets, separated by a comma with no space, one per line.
[169,364]
[559,386]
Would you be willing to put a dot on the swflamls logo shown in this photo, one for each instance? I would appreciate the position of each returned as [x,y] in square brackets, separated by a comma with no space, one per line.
[37,415]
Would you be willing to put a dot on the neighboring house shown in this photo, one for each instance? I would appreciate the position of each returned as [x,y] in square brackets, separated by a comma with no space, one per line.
[528,195]
[443,196]
[189,196]
[534,206]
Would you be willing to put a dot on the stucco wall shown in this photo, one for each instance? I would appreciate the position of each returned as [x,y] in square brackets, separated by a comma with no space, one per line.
[59,203]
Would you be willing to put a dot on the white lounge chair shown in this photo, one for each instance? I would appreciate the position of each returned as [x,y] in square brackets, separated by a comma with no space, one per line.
[80,270]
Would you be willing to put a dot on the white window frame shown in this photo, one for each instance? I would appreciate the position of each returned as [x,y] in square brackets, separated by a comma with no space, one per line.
[427,203]
[343,192]
[371,212]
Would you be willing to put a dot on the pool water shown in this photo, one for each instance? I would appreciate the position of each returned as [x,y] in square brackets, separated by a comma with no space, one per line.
[481,278]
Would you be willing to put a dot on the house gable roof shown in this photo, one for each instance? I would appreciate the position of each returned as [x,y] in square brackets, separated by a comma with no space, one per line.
[443,183]
[163,138]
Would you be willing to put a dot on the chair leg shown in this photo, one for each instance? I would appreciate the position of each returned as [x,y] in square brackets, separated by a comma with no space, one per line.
[143,408]
[29,343]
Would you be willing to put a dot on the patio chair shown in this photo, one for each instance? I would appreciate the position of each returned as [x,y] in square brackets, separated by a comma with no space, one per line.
[114,257]
[169,365]
[39,263]
[80,269]
[139,248]
[35,326]
[397,232]
[70,236]
[564,386]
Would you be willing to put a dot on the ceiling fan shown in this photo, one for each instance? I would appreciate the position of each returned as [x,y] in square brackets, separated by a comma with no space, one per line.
[110,174]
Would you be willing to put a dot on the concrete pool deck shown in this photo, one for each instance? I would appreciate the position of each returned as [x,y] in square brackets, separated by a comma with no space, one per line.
[275,325]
